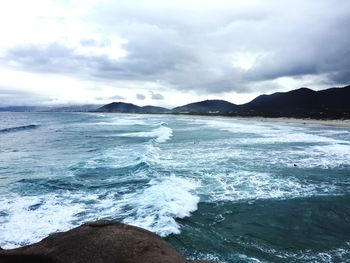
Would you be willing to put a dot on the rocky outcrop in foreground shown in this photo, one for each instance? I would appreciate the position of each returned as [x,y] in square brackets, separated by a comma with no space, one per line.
[97,242]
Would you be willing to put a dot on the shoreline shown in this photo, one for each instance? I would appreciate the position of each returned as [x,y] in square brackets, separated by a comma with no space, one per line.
[335,123]
[344,123]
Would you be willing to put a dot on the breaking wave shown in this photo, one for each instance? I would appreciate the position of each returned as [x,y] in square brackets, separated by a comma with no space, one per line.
[160,134]
[19,128]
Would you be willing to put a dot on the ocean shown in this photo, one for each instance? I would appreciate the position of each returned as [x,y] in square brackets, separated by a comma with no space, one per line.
[217,188]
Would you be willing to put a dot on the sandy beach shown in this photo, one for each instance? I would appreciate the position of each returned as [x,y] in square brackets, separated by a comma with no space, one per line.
[338,123]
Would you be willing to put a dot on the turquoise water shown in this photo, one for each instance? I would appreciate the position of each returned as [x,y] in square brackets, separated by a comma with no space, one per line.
[216,188]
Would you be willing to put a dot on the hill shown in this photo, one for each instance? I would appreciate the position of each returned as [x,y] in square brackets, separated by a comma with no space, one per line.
[75,108]
[123,107]
[154,109]
[207,107]
[303,102]
[119,107]
[333,103]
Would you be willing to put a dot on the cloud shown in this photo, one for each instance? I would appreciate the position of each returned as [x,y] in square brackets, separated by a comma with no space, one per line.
[116,97]
[199,47]
[22,98]
[156,96]
[140,97]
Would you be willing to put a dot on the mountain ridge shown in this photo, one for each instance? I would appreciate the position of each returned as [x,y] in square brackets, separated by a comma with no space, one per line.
[123,107]
[302,102]
[298,103]
[332,103]
[214,106]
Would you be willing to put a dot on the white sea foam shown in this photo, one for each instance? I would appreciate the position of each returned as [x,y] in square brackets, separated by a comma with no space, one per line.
[245,185]
[304,147]
[324,156]
[163,134]
[272,133]
[237,126]
[120,157]
[160,134]
[121,121]
[334,150]
[28,219]
[206,256]
[117,157]
[234,257]
[157,206]
[337,254]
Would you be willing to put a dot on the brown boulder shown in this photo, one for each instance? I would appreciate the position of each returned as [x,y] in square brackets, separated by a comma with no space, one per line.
[97,242]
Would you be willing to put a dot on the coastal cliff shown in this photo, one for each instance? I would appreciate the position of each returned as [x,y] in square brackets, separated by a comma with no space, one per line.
[97,242]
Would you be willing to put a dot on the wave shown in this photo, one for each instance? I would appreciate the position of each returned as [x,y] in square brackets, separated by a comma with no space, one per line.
[160,134]
[153,206]
[327,156]
[19,128]
[248,186]
[121,122]
[28,219]
[123,157]
[272,133]
[339,253]
[158,205]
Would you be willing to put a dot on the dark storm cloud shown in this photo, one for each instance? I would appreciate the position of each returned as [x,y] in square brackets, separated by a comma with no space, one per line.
[45,58]
[202,50]
[342,76]
[140,97]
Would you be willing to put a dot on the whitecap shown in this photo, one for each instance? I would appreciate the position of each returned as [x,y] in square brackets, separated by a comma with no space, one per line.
[28,219]
[160,134]
[245,185]
[158,205]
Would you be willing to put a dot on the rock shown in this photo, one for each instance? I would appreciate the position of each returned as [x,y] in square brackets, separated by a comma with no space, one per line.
[97,242]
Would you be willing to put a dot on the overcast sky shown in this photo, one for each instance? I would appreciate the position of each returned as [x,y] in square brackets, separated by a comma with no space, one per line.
[169,53]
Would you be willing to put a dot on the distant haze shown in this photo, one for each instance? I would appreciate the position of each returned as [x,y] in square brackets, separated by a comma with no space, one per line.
[169,53]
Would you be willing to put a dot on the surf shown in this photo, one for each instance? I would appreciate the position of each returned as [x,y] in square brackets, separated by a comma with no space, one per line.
[19,128]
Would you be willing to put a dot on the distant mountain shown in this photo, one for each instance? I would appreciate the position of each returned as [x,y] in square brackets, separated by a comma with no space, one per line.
[333,103]
[119,107]
[18,108]
[154,109]
[206,107]
[71,108]
[299,103]
[123,107]
[75,108]
[303,102]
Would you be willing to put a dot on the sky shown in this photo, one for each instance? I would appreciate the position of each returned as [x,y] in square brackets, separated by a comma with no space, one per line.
[169,53]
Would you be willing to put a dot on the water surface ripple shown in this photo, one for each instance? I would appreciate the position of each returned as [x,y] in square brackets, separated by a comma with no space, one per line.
[218,188]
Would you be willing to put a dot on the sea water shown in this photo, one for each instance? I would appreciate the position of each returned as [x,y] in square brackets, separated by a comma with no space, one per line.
[216,188]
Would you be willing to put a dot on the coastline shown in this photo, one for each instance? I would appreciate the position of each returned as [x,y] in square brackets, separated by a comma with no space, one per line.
[341,123]
[336,123]
[344,123]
